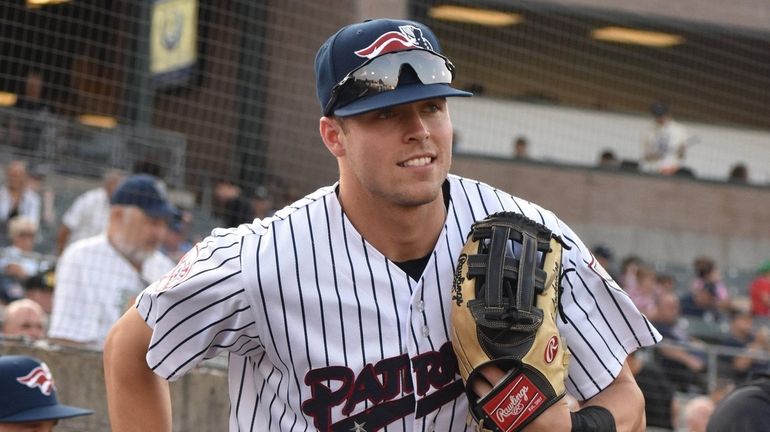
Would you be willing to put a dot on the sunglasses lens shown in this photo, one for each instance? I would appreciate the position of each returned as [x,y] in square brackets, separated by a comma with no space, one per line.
[382,73]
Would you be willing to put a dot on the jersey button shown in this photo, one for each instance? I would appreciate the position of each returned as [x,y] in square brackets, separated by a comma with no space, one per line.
[420,306]
[425,331]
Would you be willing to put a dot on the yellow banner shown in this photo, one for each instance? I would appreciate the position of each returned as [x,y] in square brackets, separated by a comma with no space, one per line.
[173,36]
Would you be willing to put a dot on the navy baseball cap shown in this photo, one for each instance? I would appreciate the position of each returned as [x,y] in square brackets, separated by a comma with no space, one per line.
[362,44]
[28,392]
[146,192]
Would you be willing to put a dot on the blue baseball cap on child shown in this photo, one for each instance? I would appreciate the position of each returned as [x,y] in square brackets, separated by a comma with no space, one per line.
[146,192]
[381,63]
[28,392]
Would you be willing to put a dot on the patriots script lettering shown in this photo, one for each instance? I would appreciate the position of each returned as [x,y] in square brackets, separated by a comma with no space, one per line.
[386,385]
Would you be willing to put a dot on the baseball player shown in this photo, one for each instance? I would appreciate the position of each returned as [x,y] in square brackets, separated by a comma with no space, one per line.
[28,401]
[335,311]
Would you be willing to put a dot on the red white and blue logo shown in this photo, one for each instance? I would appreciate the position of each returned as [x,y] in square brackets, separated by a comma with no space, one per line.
[408,37]
[39,377]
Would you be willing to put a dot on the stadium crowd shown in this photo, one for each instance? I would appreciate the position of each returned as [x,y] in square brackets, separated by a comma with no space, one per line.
[126,230]
[715,337]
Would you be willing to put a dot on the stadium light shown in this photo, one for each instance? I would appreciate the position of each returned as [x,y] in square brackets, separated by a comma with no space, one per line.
[34,4]
[7,99]
[636,37]
[474,16]
[100,121]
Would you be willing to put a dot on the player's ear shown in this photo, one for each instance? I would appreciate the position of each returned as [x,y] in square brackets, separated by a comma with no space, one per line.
[331,132]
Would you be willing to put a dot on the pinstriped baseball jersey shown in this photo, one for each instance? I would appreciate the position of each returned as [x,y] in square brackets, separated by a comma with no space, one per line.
[325,333]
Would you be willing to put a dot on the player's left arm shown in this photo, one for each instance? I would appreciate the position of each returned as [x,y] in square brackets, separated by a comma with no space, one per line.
[624,400]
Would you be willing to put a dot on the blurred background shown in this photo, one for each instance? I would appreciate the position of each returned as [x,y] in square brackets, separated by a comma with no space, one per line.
[217,98]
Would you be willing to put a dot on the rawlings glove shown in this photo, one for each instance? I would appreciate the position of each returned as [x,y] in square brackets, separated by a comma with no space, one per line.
[505,300]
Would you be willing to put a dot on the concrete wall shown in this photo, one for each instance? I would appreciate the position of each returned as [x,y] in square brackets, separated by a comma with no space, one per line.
[750,14]
[200,400]
[662,219]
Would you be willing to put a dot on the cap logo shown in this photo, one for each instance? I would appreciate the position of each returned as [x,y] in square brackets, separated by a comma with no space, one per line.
[407,37]
[39,377]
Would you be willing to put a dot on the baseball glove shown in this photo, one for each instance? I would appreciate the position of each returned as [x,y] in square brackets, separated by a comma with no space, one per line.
[505,300]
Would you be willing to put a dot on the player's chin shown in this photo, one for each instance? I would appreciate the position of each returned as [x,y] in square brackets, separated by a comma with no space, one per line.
[419,194]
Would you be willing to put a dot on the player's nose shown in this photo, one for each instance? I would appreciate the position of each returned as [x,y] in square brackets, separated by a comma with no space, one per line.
[416,128]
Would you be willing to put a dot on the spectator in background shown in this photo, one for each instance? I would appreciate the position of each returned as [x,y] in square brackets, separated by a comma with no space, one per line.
[739,173]
[37,182]
[666,283]
[40,289]
[31,99]
[24,318]
[19,261]
[231,206]
[645,292]
[149,167]
[628,269]
[97,278]
[606,259]
[88,214]
[745,409]
[697,412]
[521,148]
[608,160]
[28,401]
[754,342]
[17,198]
[660,407]
[34,114]
[709,276]
[702,304]
[760,291]
[262,203]
[680,356]
[665,144]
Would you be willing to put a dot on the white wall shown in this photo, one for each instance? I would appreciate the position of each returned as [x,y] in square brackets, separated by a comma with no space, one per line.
[568,135]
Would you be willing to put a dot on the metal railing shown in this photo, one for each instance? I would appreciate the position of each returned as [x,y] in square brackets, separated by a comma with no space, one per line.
[716,354]
[73,148]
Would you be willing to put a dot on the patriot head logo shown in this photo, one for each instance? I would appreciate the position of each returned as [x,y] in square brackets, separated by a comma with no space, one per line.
[39,377]
[407,37]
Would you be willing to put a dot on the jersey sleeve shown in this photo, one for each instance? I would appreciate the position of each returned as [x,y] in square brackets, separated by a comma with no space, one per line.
[199,308]
[598,320]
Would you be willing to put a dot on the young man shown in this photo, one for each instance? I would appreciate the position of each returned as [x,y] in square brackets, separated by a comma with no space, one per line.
[335,311]
[28,401]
